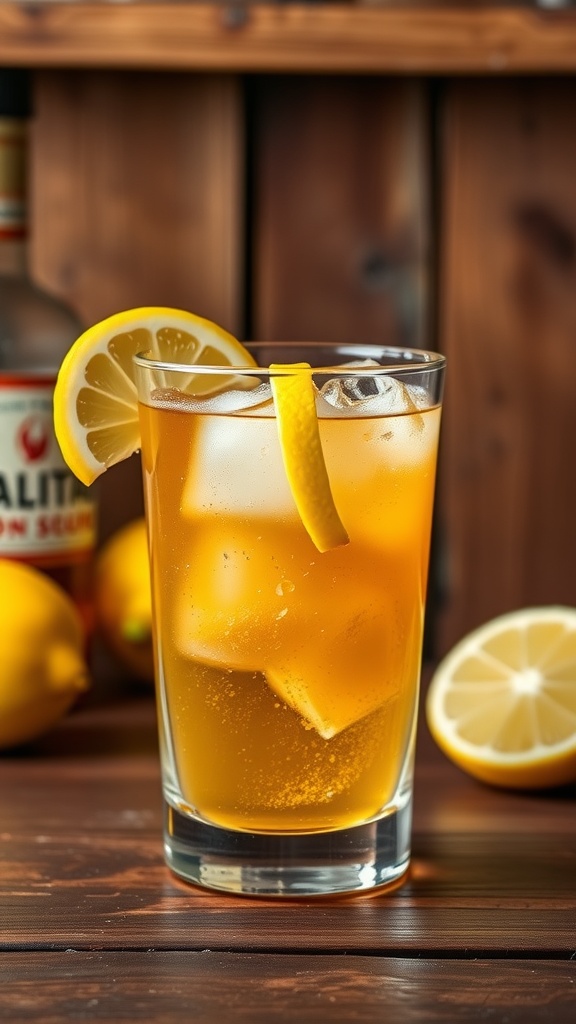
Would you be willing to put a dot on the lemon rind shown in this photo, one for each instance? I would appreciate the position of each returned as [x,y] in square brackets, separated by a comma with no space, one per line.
[95,340]
[307,477]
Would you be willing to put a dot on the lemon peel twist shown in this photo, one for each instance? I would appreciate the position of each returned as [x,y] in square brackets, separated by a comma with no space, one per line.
[302,454]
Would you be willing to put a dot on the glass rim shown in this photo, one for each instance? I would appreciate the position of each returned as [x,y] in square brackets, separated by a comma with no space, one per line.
[415,360]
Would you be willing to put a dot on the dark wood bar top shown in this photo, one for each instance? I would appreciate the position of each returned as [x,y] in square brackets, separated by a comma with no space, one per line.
[94,927]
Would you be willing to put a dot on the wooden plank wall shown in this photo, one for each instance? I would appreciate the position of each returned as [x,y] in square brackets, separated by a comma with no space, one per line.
[138,200]
[341,221]
[305,206]
[508,325]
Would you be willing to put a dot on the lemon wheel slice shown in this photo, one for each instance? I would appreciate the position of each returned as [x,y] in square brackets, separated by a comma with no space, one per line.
[502,704]
[302,454]
[95,400]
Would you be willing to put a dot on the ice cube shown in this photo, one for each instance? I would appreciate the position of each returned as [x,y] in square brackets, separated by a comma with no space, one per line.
[345,391]
[236,469]
[230,401]
[368,395]
[419,396]
[343,673]
[238,401]
[245,598]
[255,601]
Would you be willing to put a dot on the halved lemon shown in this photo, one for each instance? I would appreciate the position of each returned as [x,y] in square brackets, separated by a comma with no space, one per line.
[96,402]
[302,454]
[502,704]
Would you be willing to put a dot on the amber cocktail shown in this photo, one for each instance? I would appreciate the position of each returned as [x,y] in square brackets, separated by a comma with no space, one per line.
[288,676]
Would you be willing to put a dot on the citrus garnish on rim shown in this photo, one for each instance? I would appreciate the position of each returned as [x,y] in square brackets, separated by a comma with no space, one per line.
[96,402]
[502,703]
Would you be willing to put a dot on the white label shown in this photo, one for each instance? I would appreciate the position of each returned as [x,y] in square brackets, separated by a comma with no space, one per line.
[44,509]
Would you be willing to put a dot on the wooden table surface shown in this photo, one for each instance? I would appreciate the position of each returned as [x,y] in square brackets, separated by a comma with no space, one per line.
[93,926]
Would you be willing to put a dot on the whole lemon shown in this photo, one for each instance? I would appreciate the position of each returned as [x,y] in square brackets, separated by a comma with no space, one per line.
[123,600]
[42,666]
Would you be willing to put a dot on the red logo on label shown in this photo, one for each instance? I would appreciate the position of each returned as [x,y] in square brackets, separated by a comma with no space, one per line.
[33,438]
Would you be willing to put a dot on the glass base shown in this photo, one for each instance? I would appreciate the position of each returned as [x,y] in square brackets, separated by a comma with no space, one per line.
[254,864]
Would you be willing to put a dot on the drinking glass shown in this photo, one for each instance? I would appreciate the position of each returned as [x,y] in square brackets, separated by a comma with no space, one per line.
[287,678]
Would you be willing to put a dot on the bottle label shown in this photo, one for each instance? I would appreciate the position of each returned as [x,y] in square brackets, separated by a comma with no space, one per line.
[45,512]
[12,178]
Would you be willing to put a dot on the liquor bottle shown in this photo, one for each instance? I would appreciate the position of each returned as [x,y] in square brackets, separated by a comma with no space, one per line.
[47,518]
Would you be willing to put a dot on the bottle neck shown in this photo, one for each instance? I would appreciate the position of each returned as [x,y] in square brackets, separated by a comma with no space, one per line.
[13,196]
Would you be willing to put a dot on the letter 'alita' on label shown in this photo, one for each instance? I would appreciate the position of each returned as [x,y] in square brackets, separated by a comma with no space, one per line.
[44,510]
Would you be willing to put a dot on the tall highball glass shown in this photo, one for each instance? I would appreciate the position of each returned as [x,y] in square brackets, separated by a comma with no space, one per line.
[287,677]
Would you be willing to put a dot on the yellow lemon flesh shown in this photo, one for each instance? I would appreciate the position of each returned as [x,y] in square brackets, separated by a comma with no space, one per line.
[96,403]
[502,704]
[123,601]
[42,666]
[302,454]
[95,399]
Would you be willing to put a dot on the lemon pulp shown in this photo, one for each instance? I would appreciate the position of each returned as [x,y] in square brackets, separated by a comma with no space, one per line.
[96,402]
[502,704]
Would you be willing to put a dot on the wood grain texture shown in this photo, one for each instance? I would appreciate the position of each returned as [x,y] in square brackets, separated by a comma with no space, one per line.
[508,329]
[465,893]
[138,190]
[395,37]
[137,199]
[340,210]
[81,863]
[207,986]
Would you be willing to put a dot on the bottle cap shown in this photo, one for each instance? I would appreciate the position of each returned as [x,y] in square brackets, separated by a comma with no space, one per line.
[15,93]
